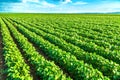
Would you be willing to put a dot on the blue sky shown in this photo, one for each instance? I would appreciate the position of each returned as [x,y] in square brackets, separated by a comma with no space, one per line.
[59,6]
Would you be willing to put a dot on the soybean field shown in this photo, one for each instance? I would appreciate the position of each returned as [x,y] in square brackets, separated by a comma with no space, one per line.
[59,47]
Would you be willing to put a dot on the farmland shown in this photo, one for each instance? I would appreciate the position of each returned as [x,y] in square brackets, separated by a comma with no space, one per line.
[59,47]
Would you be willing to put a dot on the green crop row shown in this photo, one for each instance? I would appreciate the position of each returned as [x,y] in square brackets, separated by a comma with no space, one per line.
[108,68]
[86,35]
[100,42]
[46,70]
[78,69]
[89,46]
[17,69]
[85,47]
[83,29]
[92,38]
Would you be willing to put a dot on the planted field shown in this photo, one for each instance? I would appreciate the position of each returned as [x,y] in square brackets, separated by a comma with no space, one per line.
[59,47]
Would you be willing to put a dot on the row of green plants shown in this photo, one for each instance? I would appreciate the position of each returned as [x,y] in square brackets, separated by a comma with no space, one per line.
[75,68]
[84,36]
[97,39]
[87,46]
[65,31]
[109,68]
[87,34]
[44,69]
[80,26]
[16,68]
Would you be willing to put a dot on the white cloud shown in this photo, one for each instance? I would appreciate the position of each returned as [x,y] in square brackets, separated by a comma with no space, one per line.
[67,1]
[106,7]
[112,5]
[25,1]
[80,3]
[42,3]
[46,4]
